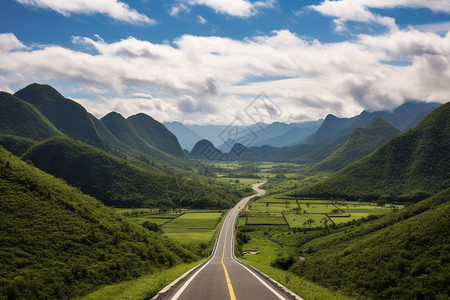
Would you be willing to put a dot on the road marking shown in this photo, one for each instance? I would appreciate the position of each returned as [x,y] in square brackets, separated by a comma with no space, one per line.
[230,287]
[185,285]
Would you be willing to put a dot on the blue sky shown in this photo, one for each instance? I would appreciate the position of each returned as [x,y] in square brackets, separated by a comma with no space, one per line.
[203,61]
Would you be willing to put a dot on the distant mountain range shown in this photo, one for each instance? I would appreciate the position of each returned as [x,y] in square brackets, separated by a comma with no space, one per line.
[413,165]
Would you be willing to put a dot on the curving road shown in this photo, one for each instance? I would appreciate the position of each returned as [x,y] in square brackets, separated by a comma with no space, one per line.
[222,276]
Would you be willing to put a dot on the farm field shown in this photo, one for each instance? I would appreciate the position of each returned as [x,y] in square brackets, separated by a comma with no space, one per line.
[193,227]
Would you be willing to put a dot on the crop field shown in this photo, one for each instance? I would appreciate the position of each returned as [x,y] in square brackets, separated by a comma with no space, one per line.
[305,220]
[192,227]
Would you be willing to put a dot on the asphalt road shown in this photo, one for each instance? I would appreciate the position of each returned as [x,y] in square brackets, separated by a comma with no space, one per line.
[222,276]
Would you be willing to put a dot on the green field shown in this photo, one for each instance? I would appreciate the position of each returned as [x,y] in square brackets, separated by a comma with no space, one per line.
[302,220]
[193,227]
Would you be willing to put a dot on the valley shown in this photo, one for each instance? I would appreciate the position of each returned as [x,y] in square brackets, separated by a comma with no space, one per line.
[114,207]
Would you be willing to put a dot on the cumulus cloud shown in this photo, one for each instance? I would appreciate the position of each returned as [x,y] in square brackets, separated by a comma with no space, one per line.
[235,8]
[209,79]
[359,10]
[113,8]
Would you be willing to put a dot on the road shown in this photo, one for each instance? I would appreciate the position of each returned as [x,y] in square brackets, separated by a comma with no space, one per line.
[222,276]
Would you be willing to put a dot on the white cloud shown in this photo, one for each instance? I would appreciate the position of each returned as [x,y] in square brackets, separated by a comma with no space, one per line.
[9,42]
[235,8]
[359,10]
[442,27]
[113,8]
[212,79]
[177,9]
[201,20]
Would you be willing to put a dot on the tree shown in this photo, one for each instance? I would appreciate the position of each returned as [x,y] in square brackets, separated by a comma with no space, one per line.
[151,226]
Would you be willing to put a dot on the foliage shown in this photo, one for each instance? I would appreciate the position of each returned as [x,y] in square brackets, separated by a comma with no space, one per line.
[116,182]
[410,167]
[15,144]
[19,118]
[56,242]
[361,142]
[403,255]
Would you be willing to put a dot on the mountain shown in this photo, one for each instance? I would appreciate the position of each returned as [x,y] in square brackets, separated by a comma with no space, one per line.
[214,133]
[409,167]
[403,117]
[116,182]
[187,137]
[123,130]
[67,115]
[19,118]
[57,243]
[403,255]
[361,142]
[205,150]
[15,144]
[156,134]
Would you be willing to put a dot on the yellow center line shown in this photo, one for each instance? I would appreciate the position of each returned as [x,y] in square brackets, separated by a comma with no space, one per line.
[230,287]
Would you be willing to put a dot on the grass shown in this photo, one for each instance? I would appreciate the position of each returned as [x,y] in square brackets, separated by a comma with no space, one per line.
[269,251]
[300,220]
[144,287]
[193,227]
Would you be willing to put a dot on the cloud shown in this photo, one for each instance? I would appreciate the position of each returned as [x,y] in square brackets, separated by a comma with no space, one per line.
[201,20]
[235,8]
[177,9]
[209,79]
[442,27]
[9,42]
[113,8]
[359,10]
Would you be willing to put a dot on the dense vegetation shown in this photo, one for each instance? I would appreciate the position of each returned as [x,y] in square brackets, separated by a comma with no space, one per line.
[361,142]
[410,167]
[116,182]
[19,118]
[56,242]
[156,134]
[67,115]
[404,255]
[15,144]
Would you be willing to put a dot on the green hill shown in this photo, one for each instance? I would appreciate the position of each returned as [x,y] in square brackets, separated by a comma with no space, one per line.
[115,181]
[156,134]
[411,166]
[67,115]
[361,142]
[403,255]
[19,118]
[15,144]
[56,242]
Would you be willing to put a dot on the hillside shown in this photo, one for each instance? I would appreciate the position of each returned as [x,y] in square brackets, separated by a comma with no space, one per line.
[403,255]
[404,117]
[15,144]
[187,137]
[411,166]
[56,242]
[67,115]
[116,182]
[19,118]
[205,150]
[361,142]
[156,134]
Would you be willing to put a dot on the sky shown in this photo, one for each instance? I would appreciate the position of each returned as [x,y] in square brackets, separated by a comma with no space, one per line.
[218,61]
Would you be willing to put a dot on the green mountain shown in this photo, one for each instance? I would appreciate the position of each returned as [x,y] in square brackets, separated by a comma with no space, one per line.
[19,118]
[205,150]
[411,166]
[116,182]
[156,134]
[404,117]
[15,144]
[57,243]
[361,142]
[403,255]
[67,115]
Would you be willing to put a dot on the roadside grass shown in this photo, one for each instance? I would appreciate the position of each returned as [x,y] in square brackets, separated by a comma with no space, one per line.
[269,251]
[143,287]
[193,227]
